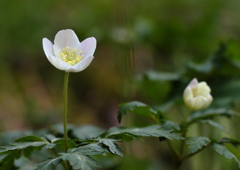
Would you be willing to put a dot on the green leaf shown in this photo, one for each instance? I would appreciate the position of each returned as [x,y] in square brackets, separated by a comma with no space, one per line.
[234,149]
[13,151]
[196,143]
[150,131]
[7,162]
[29,138]
[50,146]
[222,150]
[90,149]
[112,146]
[80,162]
[171,125]
[78,158]
[20,146]
[210,113]
[214,124]
[48,164]
[136,107]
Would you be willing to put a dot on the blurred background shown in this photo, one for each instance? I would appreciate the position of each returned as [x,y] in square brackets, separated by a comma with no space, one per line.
[133,37]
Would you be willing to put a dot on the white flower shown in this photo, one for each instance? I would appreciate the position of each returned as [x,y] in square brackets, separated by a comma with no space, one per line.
[197,95]
[67,53]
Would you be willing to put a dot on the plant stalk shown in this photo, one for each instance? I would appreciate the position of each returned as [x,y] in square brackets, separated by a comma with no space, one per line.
[65,92]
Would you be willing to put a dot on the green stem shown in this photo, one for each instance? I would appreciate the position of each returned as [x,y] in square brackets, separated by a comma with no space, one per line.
[192,154]
[174,151]
[65,92]
[184,133]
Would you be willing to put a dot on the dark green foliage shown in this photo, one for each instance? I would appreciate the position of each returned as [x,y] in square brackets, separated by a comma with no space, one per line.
[90,149]
[211,113]
[80,162]
[48,164]
[99,146]
[137,107]
[214,124]
[170,125]
[133,132]
[78,157]
[7,162]
[222,150]
[29,138]
[112,146]
[14,150]
[21,146]
[197,143]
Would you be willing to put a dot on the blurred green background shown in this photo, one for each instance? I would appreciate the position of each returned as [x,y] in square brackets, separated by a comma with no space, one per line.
[133,36]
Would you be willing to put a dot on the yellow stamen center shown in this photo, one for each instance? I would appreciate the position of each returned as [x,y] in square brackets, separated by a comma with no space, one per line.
[70,55]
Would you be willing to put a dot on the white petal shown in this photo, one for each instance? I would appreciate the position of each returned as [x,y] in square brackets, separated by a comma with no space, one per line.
[88,46]
[47,47]
[59,64]
[187,95]
[193,83]
[209,100]
[202,89]
[199,103]
[81,65]
[65,38]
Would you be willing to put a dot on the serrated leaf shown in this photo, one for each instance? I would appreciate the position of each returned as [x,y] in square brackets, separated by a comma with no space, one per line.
[170,125]
[81,162]
[21,145]
[215,124]
[138,108]
[210,113]
[196,143]
[150,131]
[59,142]
[48,164]
[90,149]
[112,146]
[222,150]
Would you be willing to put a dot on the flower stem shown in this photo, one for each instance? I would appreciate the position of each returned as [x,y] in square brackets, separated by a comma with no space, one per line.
[184,133]
[65,92]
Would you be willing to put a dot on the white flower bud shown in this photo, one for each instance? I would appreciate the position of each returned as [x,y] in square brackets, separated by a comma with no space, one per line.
[197,95]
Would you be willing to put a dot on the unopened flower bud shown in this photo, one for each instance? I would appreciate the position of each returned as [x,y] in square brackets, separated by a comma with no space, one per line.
[197,95]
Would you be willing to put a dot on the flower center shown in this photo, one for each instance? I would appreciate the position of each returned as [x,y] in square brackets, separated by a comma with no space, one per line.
[70,55]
